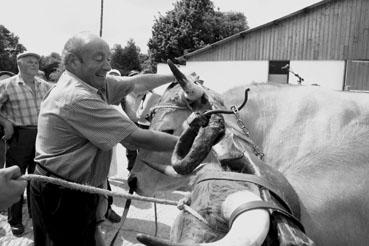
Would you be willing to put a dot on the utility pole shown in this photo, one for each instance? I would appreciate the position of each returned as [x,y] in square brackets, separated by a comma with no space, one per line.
[101,17]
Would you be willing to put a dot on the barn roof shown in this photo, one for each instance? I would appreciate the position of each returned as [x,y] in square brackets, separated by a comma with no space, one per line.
[242,34]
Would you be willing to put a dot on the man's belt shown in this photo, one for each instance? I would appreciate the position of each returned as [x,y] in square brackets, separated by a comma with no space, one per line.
[26,127]
[40,169]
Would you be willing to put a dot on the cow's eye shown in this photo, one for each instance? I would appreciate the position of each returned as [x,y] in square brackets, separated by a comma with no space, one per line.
[168,131]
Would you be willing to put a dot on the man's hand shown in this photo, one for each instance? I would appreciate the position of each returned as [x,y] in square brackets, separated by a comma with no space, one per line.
[8,130]
[11,188]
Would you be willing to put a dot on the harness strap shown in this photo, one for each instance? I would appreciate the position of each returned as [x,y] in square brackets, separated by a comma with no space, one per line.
[242,177]
[262,205]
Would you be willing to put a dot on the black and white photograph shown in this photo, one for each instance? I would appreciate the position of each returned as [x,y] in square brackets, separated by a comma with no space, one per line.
[184,122]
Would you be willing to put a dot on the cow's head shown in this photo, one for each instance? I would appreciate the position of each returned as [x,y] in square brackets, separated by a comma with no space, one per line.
[175,106]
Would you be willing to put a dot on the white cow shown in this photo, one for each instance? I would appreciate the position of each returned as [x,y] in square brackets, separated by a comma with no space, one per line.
[318,139]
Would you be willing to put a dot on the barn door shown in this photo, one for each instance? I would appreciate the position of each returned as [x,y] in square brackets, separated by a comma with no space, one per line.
[357,75]
[278,71]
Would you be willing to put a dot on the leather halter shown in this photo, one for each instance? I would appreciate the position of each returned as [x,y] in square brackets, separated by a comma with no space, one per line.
[262,183]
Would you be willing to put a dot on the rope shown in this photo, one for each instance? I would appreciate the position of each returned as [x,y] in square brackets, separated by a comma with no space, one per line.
[5,150]
[93,190]
[156,219]
[170,106]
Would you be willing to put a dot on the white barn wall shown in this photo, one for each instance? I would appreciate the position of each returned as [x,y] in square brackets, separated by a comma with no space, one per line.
[328,74]
[223,75]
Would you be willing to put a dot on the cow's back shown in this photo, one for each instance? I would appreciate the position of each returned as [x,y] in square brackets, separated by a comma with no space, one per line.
[289,122]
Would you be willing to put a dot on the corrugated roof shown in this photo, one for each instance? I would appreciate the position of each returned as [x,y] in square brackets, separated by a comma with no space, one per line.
[251,30]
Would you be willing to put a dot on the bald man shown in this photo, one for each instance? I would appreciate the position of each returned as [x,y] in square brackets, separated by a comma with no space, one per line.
[77,131]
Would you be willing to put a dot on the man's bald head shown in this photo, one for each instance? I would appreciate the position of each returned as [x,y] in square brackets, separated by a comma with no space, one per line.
[77,45]
[87,56]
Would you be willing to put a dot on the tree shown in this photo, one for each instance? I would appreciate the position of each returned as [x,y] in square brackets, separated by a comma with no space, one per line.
[192,24]
[127,58]
[228,23]
[50,65]
[9,49]
[147,63]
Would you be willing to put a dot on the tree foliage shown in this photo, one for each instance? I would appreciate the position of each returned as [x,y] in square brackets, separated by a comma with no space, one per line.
[191,25]
[50,65]
[127,58]
[9,49]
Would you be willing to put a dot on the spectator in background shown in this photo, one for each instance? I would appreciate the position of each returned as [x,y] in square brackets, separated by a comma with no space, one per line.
[147,102]
[3,75]
[110,214]
[20,99]
[138,113]
[130,110]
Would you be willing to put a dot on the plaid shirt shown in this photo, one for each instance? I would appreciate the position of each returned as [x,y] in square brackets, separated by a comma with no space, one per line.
[18,103]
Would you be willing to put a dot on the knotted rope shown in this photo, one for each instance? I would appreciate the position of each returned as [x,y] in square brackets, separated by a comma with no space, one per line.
[93,190]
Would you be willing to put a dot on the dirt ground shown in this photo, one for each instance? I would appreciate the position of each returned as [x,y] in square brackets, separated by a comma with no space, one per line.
[140,218]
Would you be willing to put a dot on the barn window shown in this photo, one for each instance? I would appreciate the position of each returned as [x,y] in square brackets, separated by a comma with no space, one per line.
[278,71]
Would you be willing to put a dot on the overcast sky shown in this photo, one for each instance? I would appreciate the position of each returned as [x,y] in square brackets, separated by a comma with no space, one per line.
[44,26]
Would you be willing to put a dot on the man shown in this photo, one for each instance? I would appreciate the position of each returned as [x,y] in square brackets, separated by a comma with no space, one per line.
[20,99]
[130,110]
[77,130]
[138,113]
[3,75]
[110,214]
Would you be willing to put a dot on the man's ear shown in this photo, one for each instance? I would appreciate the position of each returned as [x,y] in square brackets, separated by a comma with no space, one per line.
[74,62]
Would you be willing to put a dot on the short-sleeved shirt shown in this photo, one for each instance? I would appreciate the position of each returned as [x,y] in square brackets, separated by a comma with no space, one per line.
[77,129]
[19,103]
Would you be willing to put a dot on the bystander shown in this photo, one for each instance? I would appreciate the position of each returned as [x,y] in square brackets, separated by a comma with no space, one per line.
[20,99]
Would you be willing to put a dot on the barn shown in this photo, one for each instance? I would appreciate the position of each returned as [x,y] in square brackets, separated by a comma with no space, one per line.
[325,44]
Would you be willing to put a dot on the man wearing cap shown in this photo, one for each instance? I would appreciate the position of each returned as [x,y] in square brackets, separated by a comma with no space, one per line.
[20,99]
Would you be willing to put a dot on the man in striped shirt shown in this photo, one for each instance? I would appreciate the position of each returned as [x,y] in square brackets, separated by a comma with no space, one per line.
[20,99]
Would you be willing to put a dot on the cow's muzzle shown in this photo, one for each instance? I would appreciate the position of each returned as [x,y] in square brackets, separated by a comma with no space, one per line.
[196,141]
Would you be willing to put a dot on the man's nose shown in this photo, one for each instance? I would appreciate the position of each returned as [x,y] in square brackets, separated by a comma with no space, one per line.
[107,66]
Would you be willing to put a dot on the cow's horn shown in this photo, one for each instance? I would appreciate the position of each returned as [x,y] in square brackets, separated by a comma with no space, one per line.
[249,228]
[192,91]
[154,241]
